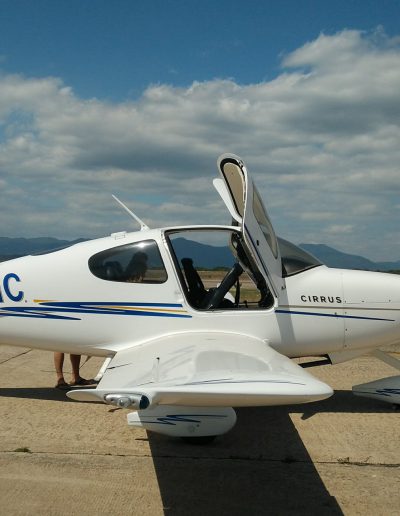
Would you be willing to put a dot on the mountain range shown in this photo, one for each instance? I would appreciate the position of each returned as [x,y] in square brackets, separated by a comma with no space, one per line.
[14,247]
[334,258]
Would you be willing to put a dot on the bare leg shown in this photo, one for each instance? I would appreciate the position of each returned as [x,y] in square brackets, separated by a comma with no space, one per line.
[76,377]
[75,362]
[58,364]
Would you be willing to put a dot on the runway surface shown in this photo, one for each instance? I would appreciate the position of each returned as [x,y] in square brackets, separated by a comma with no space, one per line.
[59,457]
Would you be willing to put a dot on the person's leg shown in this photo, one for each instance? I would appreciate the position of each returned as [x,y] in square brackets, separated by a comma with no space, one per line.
[75,362]
[76,377]
[58,364]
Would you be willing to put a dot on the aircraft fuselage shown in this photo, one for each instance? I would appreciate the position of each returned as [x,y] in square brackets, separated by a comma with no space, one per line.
[55,302]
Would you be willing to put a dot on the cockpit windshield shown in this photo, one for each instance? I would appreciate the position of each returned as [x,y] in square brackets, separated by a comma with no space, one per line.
[295,259]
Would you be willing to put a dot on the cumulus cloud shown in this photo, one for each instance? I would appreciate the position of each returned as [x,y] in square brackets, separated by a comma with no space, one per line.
[321,138]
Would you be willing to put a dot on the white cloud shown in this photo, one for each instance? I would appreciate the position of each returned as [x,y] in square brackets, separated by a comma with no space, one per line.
[340,228]
[321,139]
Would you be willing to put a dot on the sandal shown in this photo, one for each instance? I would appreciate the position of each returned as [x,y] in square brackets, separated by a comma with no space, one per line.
[62,385]
[83,381]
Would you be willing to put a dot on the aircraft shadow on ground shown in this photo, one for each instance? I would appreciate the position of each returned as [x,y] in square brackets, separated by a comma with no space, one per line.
[36,393]
[341,401]
[344,401]
[261,467]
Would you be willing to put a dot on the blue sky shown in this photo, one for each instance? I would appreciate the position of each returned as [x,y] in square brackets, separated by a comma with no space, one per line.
[139,99]
[115,49]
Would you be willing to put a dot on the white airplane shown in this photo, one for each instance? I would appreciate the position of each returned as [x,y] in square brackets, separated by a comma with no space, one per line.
[186,338]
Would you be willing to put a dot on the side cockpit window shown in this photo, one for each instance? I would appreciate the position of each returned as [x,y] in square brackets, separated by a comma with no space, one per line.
[215,271]
[139,262]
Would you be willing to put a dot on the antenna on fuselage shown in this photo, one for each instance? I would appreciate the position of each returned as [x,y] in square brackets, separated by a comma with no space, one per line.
[143,226]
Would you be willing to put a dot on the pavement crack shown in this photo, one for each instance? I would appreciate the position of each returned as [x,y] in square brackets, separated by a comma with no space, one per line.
[15,356]
[27,451]
[364,463]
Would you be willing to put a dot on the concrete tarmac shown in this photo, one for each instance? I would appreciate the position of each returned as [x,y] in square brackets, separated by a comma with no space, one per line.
[59,457]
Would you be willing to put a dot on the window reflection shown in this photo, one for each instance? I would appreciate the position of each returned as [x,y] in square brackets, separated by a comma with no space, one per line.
[139,262]
[264,222]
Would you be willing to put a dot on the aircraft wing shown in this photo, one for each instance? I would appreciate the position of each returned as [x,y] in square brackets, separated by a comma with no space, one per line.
[204,370]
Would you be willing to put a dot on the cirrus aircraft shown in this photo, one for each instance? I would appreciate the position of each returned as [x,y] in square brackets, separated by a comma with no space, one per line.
[194,321]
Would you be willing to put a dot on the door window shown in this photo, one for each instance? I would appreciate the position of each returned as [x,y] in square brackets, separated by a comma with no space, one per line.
[262,218]
[256,227]
[215,272]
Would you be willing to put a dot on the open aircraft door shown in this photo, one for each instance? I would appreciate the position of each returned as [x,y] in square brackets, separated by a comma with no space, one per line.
[246,207]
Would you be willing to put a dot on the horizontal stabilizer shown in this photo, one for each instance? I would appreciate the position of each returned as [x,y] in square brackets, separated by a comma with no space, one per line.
[386,389]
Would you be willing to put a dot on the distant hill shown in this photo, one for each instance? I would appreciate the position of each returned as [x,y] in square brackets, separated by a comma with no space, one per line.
[14,247]
[202,255]
[334,258]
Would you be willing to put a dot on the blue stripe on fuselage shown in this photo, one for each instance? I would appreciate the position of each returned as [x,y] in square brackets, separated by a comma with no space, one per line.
[339,316]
